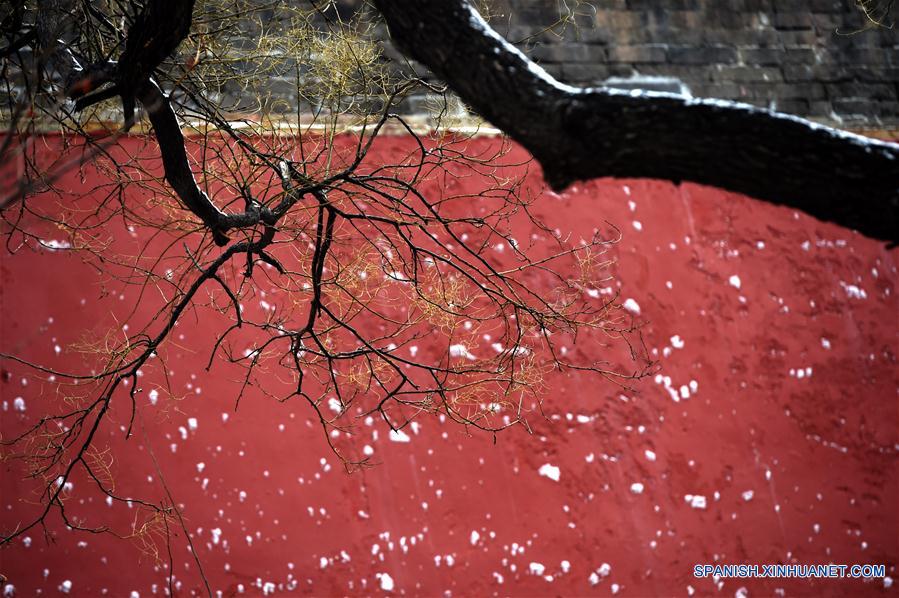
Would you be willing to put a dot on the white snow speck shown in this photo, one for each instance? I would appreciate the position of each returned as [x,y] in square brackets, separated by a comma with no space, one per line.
[536,568]
[734,281]
[637,488]
[54,245]
[853,292]
[192,424]
[65,587]
[696,501]
[747,496]
[632,306]
[399,436]
[677,342]
[550,471]
[461,351]
[386,581]
[18,404]
[601,572]
[475,536]
[650,455]
[154,396]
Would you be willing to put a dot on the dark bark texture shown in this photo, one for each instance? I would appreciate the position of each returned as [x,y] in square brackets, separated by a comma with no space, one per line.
[579,134]
[158,29]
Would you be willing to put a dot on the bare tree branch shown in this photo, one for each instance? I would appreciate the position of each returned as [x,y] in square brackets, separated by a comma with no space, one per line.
[586,133]
[158,29]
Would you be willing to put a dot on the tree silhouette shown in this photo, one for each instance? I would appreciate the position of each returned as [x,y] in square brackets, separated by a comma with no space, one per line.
[371,256]
[367,258]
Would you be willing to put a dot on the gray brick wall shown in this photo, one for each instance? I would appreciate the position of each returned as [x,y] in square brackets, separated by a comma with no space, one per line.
[805,57]
[814,58]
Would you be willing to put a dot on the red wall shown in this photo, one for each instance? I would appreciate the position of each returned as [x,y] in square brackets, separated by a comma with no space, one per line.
[790,433]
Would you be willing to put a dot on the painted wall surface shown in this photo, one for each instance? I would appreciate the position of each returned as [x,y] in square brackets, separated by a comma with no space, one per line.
[769,435]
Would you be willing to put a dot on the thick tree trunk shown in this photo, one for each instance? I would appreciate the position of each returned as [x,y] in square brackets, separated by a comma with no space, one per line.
[586,133]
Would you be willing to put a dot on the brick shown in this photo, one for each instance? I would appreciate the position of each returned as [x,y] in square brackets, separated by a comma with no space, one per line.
[637,54]
[793,20]
[744,74]
[748,37]
[692,75]
[672,23]
[869,91]
[789,6]
[702,55]
[795,91]
[800,56]
[799,107]
[847,107]
[584,73]
[668,5]
[876,75]
[819,108]
[569,52]
[724,91]
[799,72]
[826,6]
[619,19]
[817,72]
[595,34]
[825,23]
[792,39]
[763,56]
